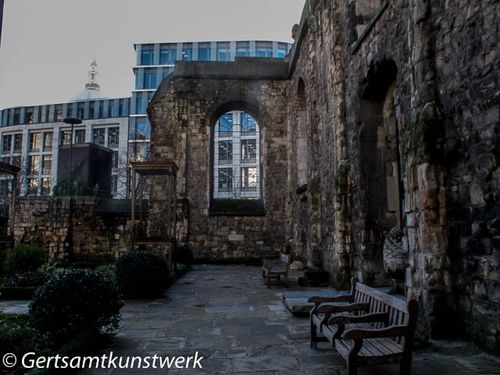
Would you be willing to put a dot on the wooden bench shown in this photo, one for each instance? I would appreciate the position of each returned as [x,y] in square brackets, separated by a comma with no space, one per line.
[366,327]
[276,269]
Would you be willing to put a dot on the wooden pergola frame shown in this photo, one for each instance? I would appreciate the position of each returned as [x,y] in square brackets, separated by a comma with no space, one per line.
[152,169]
[6,168]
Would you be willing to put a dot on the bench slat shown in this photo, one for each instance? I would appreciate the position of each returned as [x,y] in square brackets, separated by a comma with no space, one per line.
[384,297]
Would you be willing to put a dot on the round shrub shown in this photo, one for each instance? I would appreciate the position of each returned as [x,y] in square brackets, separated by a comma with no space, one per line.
[24,259]
[183,255]
[73,302]
[142,274]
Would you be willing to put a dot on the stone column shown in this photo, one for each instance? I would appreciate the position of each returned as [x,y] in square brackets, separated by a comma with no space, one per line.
[428,277]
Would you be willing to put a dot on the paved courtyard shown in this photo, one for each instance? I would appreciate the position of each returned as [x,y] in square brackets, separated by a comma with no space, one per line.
[241,327]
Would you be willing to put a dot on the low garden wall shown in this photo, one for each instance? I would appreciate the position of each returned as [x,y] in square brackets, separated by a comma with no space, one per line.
[71,229]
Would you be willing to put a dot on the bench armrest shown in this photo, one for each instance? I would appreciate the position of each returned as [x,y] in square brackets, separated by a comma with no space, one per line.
[330,309]
[360,334]
[366,318]
[319,300]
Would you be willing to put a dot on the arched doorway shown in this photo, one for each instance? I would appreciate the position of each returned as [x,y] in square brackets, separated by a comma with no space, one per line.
[382,175]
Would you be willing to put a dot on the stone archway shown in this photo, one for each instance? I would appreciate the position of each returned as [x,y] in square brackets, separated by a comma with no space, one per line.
[382,176]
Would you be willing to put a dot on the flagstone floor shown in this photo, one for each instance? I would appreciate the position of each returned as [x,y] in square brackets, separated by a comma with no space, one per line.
[239,326]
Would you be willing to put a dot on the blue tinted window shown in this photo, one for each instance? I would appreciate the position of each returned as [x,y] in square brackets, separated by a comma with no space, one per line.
[150,79]
[226,124]
[242,52]
[168,55]
[264,52]
[281,53]
[187,53]
[223,52]
[147,55]
[248,123]
[264,49]
[140,131]
[204,53]
[140,105]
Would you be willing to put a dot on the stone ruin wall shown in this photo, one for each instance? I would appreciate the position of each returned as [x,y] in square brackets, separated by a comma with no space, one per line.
[183,118]
[445,104]
[87,237]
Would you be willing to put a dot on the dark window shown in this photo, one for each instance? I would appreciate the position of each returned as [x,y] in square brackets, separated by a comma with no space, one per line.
[47,141]
[7,144]
[79,136]
[29,117]
[225,152]
[81,110]
[34,165]
[65,137]
[98,136]
[18,142]
[17,116]
[248,150]
[35,141]
[113,137]
[91,110]
[225,179]
[47,164]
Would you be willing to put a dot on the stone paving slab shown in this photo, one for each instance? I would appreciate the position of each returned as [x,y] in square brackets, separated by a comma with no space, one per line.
[228,315]
[241,327]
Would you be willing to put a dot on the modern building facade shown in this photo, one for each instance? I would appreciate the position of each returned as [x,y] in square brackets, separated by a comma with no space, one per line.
[30,136]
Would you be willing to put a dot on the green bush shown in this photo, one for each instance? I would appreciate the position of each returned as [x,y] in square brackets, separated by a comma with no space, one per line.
[18,338]
[73,302]
[27,279]
[141,274]
[183,255]
[25,258]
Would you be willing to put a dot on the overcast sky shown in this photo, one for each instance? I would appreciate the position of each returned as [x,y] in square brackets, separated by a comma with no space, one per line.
[47,45]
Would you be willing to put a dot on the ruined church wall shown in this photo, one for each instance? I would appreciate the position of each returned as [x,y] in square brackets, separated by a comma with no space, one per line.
[183,121]
[467,77]
[445,104]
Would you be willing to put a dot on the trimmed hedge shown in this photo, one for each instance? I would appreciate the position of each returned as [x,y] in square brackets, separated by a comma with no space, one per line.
[25,259]
[74,302]
[142,274]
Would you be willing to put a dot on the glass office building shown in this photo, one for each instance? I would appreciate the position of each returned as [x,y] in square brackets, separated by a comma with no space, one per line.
[155,61]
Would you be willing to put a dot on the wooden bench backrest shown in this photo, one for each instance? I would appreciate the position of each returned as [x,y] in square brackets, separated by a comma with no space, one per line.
[285,258]
[400,311]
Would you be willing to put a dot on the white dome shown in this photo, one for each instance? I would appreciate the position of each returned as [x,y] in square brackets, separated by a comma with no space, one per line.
[92,89]
[88,94]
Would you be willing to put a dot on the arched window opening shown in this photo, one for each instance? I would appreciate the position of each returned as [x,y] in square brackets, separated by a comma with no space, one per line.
[236,145]
[380,161]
